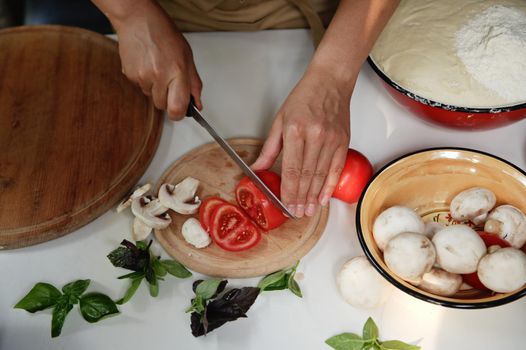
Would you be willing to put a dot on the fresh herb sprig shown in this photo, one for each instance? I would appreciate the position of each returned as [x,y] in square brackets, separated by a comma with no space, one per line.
[145,266]
[279,280]
[93,306]
[211,308]
[368,340]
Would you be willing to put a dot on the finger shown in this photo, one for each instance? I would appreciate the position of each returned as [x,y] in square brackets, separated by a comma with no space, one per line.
[160,95]
[319,177]
[178,98]
[196,86]
[335,169]
[313,147]
[293,145]
[271,148]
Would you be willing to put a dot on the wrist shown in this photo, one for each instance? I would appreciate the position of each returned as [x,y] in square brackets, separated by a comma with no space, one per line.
[341,78]
[123,11]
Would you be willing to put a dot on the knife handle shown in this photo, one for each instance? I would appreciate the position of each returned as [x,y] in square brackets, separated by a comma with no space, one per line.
[191,106]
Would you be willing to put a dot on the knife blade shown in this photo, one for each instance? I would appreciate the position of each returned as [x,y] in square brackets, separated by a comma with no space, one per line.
[194,113]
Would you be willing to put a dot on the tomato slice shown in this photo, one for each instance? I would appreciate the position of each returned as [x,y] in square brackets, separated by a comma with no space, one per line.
[207,208]
[257,206]
[231,229]
[489,239]
[354,177]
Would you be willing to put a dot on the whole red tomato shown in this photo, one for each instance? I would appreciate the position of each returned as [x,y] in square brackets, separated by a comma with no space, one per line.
[355,174]
[256,204]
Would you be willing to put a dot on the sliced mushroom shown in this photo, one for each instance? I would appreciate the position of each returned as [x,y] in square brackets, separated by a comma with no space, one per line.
[459,249]
[360,284]
[509,223]
[150,212]
[194,233]
[504,270]
[409,255]
[472,203]
[440,282]
[140,230]
[394,221]
[126,203]
[181,198]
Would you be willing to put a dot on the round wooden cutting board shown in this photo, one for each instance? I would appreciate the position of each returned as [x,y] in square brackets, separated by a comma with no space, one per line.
[218,176]
[75,135]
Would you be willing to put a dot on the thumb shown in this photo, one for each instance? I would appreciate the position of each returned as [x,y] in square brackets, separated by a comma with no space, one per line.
[271,147]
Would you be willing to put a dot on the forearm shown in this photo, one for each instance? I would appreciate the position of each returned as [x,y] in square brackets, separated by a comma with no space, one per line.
[350,37]
[117,11]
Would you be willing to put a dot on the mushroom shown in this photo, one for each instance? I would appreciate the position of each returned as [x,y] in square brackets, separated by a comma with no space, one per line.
[459,249]
[504,270]
[150,212]
[140,230]
[440,282]
[393,221]
[472,203]
[409,255]
[479,220]
[126,203]
[181,198]
[194,233]
[360,284]
[432,227]
[509,223]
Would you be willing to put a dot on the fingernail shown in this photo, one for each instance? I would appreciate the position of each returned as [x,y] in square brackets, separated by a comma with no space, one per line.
[325,200]
[292,209]
[300,210]
[311,209]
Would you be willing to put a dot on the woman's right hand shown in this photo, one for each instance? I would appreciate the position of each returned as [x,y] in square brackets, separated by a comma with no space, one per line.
[156,56]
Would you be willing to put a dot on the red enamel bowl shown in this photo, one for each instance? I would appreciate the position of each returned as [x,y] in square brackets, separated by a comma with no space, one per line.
[448,115]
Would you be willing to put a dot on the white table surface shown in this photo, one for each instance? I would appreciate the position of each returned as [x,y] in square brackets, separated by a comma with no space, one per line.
[246,77]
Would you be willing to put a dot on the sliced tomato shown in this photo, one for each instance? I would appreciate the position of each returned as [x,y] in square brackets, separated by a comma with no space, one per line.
[354,177]
[256,204]
[489,239]
[207,208]
[231,229]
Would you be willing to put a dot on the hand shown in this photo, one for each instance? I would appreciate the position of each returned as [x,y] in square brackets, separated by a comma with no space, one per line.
[312,128]
[156,56]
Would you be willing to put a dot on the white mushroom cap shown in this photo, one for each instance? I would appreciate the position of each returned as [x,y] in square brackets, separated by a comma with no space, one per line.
[478,220]
[432,227]
[509,223]
[178,197]
[459,249]
[504,270]
[150,212]
[194,233]
[409,255]
[471,203]
[360,284]
[126,202]
[394,221]
[440,282]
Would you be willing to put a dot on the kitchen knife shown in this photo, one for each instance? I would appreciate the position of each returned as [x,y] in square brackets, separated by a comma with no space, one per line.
[193,112]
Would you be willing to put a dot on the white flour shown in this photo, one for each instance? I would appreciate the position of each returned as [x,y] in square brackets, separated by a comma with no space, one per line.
[492,47]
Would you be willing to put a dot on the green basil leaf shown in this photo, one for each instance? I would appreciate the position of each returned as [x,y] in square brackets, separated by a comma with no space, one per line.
[294,286]
[158,268]
[276,279]
[40,297]
[370,330]
[60,311]
[95,306]
[176,269]
[207,289]
[397,345]
[75,289]
[134,285]
[198,305]
[154,287]
[132,275]
[141,245]
[346,341]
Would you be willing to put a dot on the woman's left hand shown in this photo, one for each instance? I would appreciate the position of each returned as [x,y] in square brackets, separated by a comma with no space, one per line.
[313,130]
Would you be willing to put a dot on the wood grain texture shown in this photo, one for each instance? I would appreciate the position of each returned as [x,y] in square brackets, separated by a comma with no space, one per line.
[219,175]
[75,134]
